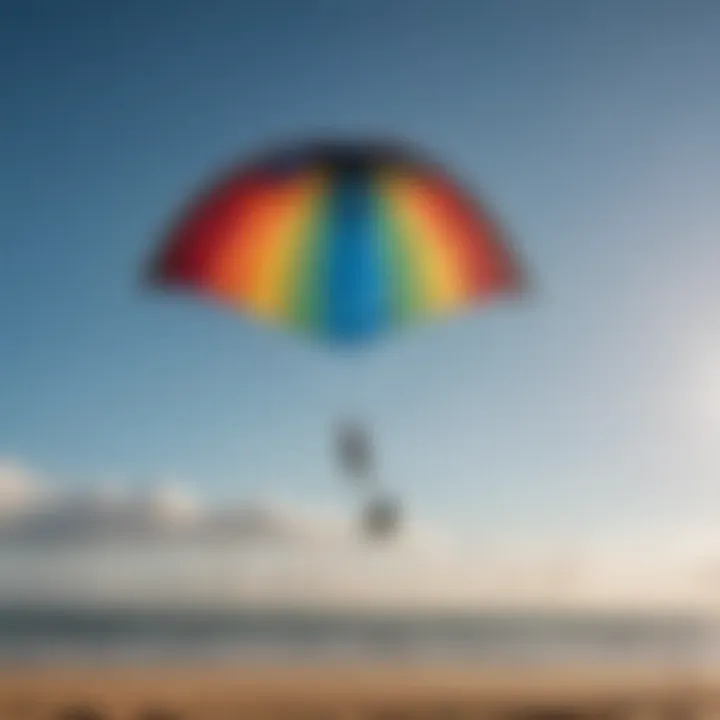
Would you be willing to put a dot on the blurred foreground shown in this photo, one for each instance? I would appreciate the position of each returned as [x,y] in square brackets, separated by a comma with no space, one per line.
[171,664]
[343,693]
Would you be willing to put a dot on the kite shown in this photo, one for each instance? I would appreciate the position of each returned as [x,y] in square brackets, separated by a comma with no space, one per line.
[345,242]
[339,240]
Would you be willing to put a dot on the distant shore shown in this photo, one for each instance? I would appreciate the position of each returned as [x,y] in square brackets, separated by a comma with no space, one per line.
[210,692]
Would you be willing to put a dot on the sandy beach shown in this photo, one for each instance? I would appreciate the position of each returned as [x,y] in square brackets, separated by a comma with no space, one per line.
[224,693]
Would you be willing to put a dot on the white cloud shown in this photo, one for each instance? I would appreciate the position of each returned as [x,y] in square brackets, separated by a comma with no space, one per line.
[165,546]
[30,512]
[18,488]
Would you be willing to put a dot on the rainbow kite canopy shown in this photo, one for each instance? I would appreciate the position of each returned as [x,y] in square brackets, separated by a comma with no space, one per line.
[344,241]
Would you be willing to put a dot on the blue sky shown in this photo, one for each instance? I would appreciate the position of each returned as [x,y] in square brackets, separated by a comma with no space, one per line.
[593,129]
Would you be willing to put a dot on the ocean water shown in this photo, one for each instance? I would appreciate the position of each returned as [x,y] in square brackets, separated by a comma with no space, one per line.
[46,635]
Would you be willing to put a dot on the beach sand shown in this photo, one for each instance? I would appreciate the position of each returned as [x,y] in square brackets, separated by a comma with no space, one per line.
[351,693]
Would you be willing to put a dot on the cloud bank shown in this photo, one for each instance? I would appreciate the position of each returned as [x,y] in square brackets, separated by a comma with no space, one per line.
[165,546]
[32,512]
